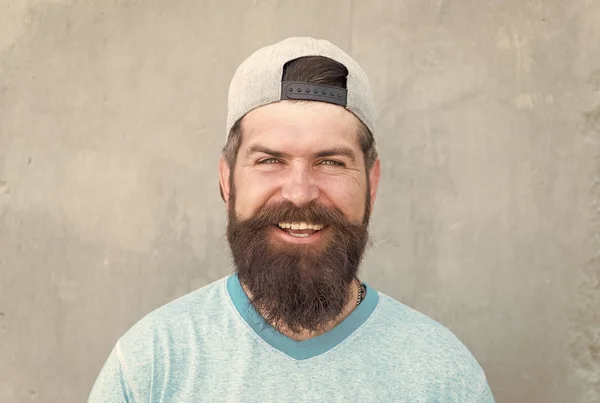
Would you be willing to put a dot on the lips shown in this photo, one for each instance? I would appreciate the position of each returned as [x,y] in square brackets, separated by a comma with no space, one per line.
[300,229]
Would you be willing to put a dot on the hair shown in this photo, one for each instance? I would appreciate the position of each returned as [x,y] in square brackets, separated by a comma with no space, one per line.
[313,70]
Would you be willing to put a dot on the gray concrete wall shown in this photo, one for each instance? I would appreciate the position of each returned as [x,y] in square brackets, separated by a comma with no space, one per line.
[111,121]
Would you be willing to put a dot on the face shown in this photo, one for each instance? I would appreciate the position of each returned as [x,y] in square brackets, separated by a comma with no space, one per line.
[298,210]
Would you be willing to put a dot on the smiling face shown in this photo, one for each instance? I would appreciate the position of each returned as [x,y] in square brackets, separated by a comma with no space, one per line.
[298,207]
[301,152]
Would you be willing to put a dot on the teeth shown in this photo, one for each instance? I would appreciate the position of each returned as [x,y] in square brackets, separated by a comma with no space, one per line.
[300,225]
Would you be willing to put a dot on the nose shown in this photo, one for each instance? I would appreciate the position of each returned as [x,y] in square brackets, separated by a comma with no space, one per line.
[299,187]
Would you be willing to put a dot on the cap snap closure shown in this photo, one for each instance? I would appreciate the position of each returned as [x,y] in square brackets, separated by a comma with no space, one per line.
[314,92]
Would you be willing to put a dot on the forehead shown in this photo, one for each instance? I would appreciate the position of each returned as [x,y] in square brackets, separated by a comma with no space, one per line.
[300,125]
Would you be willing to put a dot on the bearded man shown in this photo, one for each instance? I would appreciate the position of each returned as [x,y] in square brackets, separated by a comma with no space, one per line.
[299,176]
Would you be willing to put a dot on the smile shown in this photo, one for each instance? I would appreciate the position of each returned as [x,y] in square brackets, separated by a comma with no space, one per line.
[299,231]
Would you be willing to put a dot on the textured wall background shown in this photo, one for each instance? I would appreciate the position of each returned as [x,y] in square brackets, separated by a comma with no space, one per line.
[488,220]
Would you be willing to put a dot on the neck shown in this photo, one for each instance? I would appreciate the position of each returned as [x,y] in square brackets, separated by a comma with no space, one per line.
[309,334]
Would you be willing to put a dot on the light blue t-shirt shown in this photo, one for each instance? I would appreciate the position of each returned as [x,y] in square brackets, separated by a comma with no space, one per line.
[212,346]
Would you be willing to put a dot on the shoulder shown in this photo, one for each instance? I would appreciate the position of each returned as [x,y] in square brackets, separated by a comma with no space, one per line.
[145,356]
[436,356]
[184,318]
[402,322]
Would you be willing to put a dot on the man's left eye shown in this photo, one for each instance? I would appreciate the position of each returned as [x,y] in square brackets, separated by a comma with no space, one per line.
[331,162]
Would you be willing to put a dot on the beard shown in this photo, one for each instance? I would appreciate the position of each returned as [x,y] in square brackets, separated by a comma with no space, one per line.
[297,286]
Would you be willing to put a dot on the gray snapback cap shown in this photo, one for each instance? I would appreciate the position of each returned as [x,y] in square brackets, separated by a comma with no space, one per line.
[258,81]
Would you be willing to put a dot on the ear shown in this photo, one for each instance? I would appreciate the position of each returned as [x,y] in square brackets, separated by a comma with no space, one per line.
[224,173]
[374,176]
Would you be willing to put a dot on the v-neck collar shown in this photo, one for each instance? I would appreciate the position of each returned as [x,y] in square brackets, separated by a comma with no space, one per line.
[300,350]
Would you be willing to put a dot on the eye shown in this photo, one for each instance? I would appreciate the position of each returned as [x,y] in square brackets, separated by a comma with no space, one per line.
[268,161]
[332,163]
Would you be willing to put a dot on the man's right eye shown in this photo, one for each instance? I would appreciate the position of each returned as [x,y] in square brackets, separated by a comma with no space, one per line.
[268,161]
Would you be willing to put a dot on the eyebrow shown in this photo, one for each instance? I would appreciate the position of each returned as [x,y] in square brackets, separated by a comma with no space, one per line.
[265,150]
[330,152]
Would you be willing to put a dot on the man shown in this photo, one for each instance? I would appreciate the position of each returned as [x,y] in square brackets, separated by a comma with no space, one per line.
[299,175]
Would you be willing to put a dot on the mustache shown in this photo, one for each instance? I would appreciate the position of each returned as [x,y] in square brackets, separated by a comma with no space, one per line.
[286,211]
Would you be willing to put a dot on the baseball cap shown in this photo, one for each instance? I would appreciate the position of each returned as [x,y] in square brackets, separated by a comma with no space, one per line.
[258,81]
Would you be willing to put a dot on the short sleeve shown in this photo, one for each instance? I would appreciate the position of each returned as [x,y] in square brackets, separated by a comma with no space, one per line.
[112,384]
[484,394]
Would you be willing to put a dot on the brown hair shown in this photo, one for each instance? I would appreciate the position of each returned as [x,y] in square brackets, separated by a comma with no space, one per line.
[314,70]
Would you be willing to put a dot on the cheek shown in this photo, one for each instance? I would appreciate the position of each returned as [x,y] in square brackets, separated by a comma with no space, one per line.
[347,194]
[251,193]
